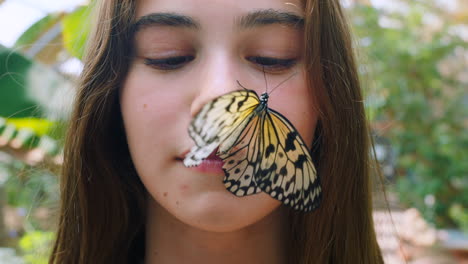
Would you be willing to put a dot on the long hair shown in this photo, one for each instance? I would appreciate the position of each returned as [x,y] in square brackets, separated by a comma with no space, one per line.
[102,213]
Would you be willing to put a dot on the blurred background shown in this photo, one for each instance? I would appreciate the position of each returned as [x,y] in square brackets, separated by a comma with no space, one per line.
[413,62]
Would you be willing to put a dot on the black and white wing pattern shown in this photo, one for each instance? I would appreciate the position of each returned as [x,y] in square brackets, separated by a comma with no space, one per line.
[286,171]
[241,162]
[261,149]
[220,121]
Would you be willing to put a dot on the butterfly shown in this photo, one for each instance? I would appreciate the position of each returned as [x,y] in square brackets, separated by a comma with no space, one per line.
[261,149]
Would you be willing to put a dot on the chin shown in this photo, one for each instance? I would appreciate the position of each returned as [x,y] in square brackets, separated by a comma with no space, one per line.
[225,212]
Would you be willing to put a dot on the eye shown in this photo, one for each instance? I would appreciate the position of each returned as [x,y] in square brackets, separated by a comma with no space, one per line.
[170,63]
[272,64]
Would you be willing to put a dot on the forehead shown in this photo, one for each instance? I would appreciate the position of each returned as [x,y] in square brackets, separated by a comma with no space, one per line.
[214,16]
[215,9]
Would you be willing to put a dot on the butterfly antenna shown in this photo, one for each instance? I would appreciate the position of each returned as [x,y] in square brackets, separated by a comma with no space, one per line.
[282,82]
[264,77]
[241,85]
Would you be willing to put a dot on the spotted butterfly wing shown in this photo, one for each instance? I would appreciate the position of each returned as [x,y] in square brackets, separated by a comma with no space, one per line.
[241,162]
[219,121]
[261,149]
[286,171]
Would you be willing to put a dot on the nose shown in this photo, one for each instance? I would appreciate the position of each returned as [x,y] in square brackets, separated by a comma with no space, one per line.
[218,76]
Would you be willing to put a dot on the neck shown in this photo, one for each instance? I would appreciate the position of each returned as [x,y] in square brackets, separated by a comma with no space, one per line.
[169,241]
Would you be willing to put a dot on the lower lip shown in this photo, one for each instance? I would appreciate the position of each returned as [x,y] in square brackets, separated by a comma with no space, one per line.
[212,166]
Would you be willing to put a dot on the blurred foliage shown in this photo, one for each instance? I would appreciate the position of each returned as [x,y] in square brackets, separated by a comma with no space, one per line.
[30,187]
[34,32]
[39,125]
[460,216]
[36,247]
[29,89]
[76,26]
[35,100]
[415,79]
[32,132]
[13,71]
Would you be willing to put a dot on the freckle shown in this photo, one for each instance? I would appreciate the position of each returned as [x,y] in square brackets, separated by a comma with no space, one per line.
[165,194]
[144,106]
[177,202]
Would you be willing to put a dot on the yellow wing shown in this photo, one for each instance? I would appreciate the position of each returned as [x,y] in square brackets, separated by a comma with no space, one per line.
[241,162]
[221,120]
[261,149]
[286,170]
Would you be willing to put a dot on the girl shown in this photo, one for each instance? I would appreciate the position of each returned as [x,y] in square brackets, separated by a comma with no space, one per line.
[150,67]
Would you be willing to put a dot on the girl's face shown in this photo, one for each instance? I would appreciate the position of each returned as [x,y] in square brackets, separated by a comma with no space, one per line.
[186,53]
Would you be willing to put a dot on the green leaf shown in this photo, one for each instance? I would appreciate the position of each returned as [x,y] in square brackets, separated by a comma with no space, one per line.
[39,126]
[36,30]
[36,246]
[76,28]
[28,89]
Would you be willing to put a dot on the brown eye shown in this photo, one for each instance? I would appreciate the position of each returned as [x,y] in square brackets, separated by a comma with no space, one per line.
[171,63]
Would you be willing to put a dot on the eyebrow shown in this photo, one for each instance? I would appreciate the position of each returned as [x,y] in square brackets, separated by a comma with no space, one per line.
[270,16]
[256,18]
[165,19]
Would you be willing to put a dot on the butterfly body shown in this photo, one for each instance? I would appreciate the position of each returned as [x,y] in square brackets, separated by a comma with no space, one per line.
[264,99]
[261,149]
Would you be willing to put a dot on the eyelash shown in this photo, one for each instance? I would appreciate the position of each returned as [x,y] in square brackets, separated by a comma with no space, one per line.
[267,63]
[272,64]
[168,64]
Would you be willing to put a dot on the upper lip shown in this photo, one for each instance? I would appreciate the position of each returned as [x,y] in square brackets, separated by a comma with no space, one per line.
[213,155]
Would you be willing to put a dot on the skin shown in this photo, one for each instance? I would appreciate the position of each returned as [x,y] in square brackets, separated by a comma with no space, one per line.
[158,103]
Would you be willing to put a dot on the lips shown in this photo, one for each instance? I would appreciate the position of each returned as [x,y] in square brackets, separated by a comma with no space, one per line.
[213,156]
[212,164]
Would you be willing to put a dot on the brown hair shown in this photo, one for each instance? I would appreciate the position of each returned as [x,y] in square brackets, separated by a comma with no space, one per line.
[103,201]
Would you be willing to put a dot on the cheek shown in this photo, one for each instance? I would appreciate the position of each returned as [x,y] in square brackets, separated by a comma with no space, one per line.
[295,102]
[155,123]
[144,101]
[154,112]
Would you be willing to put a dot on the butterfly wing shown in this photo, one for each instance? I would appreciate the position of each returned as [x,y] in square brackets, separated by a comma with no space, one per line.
[261,149]
[220,121]
[241,162]
[286,170]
